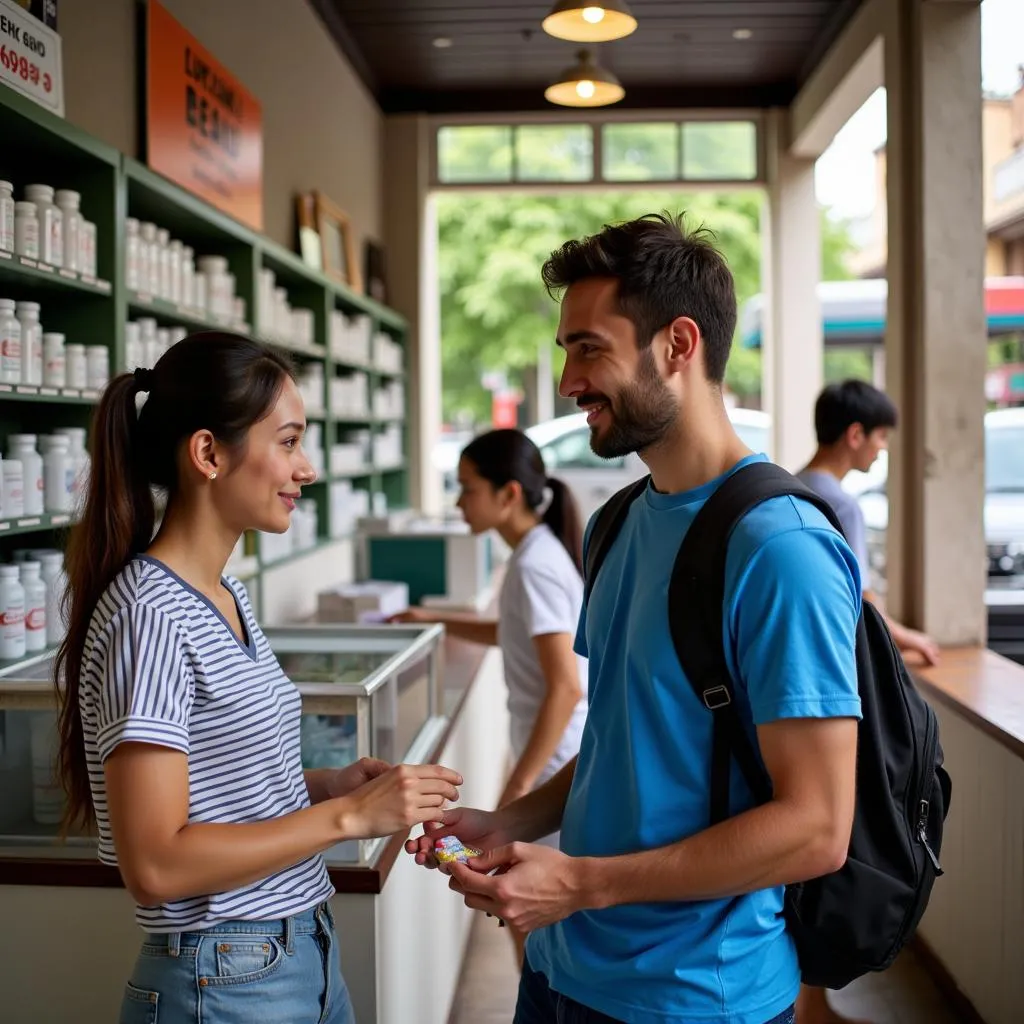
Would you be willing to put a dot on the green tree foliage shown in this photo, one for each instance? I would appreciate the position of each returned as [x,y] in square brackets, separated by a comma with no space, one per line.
[494,310]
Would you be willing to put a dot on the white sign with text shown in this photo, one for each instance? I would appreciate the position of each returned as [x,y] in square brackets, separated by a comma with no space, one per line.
[30,57]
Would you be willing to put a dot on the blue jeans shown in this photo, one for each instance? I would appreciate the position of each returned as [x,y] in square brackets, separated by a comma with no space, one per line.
[238,972]
[538,1004]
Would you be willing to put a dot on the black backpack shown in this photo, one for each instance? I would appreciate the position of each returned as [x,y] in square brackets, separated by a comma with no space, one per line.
[858,918]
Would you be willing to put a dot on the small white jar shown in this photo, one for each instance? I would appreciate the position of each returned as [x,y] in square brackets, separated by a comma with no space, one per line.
[51,224]
[10,343]
[12,613]
[22,448]
[97,366]
[68,202]
[80,461]
[188,277]
[218,286]
[55,373]
[53,576]
[26,230]
[163,249]
[174,257]
[31,342]
[149,259]
[14,488]
[35,606]
[133,351]
[77,370]
[87,249]
[58,473]
[131,253]
[6,216]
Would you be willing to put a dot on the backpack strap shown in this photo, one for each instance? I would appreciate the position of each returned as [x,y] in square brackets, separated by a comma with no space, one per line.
[696,601]
[607,524]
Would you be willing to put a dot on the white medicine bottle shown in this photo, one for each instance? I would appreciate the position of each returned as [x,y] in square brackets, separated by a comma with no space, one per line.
[12,613]
[35,606]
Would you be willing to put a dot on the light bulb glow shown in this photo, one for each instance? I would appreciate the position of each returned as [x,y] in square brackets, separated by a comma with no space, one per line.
[593,15]
[585,89]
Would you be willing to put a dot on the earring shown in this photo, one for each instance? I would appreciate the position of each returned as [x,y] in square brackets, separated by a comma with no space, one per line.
[213,476]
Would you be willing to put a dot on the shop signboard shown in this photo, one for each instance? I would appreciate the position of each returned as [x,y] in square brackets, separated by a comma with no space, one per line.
[203,128]
[30,57]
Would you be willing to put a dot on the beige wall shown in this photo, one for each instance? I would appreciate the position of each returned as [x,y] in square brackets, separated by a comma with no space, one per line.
[321,128]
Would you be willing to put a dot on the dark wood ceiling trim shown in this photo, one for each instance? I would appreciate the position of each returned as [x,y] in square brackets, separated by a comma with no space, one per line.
[838,20]
[508,101]
[346,42]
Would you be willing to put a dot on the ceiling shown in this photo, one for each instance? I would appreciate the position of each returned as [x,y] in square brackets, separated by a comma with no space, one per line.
[683,53]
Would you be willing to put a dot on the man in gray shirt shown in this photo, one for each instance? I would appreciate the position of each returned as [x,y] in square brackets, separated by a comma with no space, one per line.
[852,421]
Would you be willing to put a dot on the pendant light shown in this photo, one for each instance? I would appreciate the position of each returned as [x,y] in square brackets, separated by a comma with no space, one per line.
[585,84]
[582,22]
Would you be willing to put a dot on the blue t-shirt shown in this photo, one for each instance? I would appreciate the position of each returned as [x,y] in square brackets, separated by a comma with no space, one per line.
[643,775]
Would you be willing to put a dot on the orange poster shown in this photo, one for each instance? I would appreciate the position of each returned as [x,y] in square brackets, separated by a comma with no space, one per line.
[204,130]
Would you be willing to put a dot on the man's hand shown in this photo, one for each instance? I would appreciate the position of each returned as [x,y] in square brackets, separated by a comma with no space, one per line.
[532,887]
[483,830]
[344,780]
[919,643]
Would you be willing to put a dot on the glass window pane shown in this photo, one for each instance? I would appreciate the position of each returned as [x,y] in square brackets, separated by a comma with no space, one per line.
[725,150]
[473,153]
[640,152]
[554,152]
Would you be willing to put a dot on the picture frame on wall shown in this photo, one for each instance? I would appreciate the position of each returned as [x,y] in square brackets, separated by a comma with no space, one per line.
[310,248]
[337,244]
[375,271]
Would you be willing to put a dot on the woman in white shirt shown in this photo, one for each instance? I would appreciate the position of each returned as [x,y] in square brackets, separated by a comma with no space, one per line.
[505,487]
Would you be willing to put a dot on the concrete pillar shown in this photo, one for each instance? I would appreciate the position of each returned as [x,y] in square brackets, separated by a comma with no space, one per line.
[935,338]
[791,269]
[410,235]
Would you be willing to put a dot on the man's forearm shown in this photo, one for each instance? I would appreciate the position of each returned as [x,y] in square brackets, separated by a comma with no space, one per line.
[539,813]
[774,844]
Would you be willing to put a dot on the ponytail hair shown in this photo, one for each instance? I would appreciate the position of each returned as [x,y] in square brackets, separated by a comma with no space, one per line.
[215,381]
[501,456]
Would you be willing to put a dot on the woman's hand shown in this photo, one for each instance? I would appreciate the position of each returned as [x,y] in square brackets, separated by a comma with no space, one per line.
[412,615]
[342,781]
[397,799]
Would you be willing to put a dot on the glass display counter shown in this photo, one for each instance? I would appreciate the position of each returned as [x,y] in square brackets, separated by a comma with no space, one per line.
[367,691]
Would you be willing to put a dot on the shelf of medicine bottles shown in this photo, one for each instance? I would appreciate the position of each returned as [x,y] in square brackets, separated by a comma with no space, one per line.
[9,666]
[174,314]
[33,524]
[51,396]
[311,351]
[41,275]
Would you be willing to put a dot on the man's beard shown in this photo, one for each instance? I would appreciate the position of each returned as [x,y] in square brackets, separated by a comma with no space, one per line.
[641,413]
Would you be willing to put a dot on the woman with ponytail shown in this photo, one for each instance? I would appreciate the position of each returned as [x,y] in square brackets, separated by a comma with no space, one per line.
[179,731]
[505,487]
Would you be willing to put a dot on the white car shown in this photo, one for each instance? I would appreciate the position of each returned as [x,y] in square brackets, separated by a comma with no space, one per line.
[565,444]
[1004,497]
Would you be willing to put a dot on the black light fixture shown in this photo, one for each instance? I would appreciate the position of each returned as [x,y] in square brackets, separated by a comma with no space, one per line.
[581,22]
[585,84]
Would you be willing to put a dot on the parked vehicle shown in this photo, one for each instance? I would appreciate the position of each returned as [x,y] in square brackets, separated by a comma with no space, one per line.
[565,444]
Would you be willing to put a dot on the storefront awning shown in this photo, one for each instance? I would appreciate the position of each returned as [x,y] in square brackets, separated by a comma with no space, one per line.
[854,311]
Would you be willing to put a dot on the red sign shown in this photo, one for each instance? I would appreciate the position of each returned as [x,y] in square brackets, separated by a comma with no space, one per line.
[204,130]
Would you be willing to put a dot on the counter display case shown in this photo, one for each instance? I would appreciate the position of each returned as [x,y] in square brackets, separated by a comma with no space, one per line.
[367,691]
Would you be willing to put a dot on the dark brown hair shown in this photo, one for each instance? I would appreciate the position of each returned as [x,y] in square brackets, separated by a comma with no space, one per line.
[215,381]
[664,271]
[501,456]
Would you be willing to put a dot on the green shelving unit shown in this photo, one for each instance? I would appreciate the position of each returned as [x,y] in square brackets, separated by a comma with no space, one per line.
[43,148]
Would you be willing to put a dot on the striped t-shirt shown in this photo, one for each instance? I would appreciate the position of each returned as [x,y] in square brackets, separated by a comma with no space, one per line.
[163,666]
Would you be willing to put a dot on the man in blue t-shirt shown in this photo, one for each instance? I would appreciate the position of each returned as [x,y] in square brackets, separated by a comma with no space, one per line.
[645,913]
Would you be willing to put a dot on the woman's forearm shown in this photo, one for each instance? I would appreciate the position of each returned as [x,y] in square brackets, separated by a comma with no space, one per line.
[552,720]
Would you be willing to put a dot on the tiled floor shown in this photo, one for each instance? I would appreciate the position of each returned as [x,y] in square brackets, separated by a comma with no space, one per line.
[902,995]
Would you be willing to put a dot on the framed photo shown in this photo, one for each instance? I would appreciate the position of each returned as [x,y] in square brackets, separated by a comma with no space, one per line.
[336,243]
[375,272]
[309,237]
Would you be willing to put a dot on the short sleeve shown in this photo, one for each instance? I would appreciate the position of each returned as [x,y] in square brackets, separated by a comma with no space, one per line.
[793,617]
[550,607]
[146,688]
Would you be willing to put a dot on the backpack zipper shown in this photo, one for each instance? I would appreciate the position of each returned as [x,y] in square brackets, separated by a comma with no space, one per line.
[922,835]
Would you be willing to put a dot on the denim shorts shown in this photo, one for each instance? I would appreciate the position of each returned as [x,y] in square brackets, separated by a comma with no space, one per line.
[239,972]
